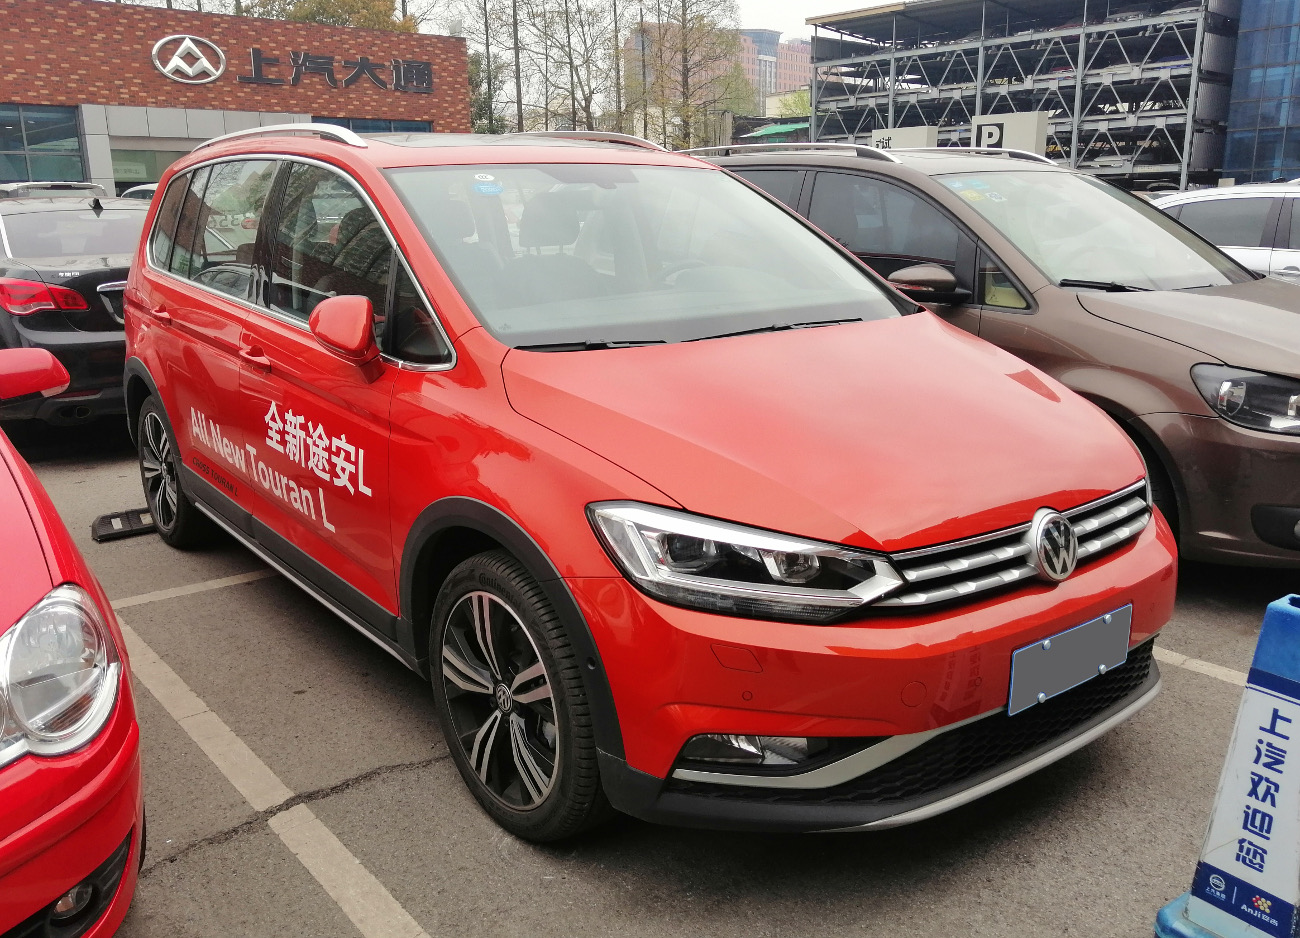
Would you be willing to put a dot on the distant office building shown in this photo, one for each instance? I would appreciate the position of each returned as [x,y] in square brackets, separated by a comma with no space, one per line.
[1137,91]
[1264,118]
[773,66]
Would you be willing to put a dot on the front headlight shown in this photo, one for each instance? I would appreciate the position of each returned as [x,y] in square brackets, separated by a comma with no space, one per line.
[59,672]
[728,568]
[1251,399]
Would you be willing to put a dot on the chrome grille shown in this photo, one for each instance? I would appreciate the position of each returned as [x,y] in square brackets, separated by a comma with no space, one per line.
[964,568]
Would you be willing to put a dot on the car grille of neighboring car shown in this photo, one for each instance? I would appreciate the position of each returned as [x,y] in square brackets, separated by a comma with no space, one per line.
[959,570]
[953,757]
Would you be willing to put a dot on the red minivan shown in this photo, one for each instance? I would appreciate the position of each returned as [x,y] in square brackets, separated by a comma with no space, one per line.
[71,801]
[682,511]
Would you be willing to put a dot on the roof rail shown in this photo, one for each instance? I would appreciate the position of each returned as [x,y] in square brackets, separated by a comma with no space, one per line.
[329,131]
[599,136]
[857,149]
[981,151]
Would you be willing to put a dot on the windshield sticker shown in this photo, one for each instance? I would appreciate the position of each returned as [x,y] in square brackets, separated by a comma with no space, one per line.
[489,188]
[995,196]
[955,184]
[970,195]
[485,177]
[977,184]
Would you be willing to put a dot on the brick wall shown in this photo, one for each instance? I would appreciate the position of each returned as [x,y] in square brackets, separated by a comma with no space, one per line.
[70,52]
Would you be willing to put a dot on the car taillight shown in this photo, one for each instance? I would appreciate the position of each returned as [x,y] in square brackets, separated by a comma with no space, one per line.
[24,297]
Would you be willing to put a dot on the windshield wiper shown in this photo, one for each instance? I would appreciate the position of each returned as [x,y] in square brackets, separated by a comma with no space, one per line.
[780,327]
[589,344]
[1109,286]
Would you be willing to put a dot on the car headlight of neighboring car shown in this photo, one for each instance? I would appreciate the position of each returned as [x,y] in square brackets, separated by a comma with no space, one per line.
[728,568]
[1251,399]
[59,674]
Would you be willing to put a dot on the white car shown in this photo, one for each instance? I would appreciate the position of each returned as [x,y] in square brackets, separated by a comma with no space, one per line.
[141,192]
[1258,224]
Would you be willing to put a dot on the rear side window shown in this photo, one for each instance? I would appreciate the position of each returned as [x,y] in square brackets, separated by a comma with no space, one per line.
[1229,222]
[327,242]
[226,224]
[169,214]
[783,184]
[882,222]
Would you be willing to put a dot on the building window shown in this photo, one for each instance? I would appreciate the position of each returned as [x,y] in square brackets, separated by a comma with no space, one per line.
[40,144]
[374,125]
[137,167]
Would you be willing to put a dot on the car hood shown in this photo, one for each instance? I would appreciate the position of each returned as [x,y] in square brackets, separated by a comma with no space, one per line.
[25,576]
[887,435]
[1250,325]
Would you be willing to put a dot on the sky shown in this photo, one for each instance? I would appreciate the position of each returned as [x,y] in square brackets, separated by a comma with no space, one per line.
[789,15]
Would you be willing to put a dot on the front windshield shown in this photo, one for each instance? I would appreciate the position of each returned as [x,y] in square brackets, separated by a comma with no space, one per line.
[68,232]
[1075,227]
[581,255]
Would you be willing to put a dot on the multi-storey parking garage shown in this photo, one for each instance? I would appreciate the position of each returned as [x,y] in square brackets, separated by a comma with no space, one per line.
[1138,91]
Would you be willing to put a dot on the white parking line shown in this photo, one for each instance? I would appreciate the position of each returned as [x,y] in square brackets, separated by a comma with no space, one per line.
[363,898]
[1228,675]
[193,588]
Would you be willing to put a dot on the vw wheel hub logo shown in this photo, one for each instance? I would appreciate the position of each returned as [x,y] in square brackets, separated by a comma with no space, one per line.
[1053,545]
[188,59]
[505,699]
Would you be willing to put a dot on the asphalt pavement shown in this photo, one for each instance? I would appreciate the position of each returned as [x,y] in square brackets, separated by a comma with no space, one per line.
[383,839]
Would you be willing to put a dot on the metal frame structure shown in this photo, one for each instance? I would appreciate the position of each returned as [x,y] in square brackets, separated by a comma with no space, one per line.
[1137,90]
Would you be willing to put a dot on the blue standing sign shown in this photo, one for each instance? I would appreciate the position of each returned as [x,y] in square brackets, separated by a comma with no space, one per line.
[1247,884]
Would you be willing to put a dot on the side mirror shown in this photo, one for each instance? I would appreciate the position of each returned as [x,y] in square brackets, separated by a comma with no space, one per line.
[25,371]
[343,325]
[929,283]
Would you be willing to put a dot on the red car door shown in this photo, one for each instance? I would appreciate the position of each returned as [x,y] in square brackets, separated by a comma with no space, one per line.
[315,426]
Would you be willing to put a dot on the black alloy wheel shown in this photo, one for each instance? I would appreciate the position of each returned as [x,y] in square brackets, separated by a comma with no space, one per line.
[179,523]
[511,701]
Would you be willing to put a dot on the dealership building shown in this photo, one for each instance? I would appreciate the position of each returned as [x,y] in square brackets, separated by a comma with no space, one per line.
[113,93]
[1137,91]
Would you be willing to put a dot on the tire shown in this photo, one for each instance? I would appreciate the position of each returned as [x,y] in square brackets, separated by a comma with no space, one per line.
[511,701]
[178,522]
[1162,488]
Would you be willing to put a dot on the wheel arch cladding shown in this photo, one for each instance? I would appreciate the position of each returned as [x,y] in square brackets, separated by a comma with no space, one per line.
[139,386]
[453,529]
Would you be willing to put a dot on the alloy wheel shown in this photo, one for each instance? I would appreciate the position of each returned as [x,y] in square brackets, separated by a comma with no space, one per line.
[158,466]
[500,699]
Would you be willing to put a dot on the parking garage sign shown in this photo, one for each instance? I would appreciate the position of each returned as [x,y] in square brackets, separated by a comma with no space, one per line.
[1249,873]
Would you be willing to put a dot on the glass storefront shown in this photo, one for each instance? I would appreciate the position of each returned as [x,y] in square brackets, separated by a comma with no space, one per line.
[40,144]
[1264,118]
[136,167]
[373,125]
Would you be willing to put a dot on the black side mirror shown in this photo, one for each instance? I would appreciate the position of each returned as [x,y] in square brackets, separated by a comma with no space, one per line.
[929,283]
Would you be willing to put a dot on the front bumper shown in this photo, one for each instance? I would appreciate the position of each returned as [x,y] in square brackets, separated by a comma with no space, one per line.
[942,671]
[950,769]
[1235,485]
[66,820]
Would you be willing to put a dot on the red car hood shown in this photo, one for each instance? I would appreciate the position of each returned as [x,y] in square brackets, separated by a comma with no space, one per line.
[24,576]
[887,435]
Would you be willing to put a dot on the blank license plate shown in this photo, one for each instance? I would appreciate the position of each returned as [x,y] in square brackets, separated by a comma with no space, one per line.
[1052,666]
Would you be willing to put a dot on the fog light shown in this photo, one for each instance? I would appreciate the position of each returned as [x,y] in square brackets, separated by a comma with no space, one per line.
[733,749]
[72,903]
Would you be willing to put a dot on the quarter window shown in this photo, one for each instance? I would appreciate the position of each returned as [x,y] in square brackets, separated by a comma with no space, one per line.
[996,288]
[1228,222]
[413,333]
[327,242]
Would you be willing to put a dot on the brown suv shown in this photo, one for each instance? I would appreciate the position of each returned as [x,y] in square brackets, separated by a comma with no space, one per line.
[1197,358]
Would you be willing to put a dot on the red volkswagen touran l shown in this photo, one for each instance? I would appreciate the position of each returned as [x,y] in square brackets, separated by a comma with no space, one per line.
[682,510]
[71,804]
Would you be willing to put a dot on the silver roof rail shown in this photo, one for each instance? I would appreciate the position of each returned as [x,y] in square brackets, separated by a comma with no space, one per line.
[857,149]
[328,131]
[981,151]
[599,136]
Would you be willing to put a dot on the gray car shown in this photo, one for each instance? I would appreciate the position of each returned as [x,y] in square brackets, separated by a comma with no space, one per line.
[1194,355]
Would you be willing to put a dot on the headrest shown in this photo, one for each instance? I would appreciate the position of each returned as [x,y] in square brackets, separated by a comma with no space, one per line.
[549,220]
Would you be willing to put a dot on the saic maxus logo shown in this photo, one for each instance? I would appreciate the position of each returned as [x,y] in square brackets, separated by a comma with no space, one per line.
[188,59]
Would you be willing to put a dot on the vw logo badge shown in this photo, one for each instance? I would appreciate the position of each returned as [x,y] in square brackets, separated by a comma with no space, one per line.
[1053,545]
[505,699]
[192,61]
